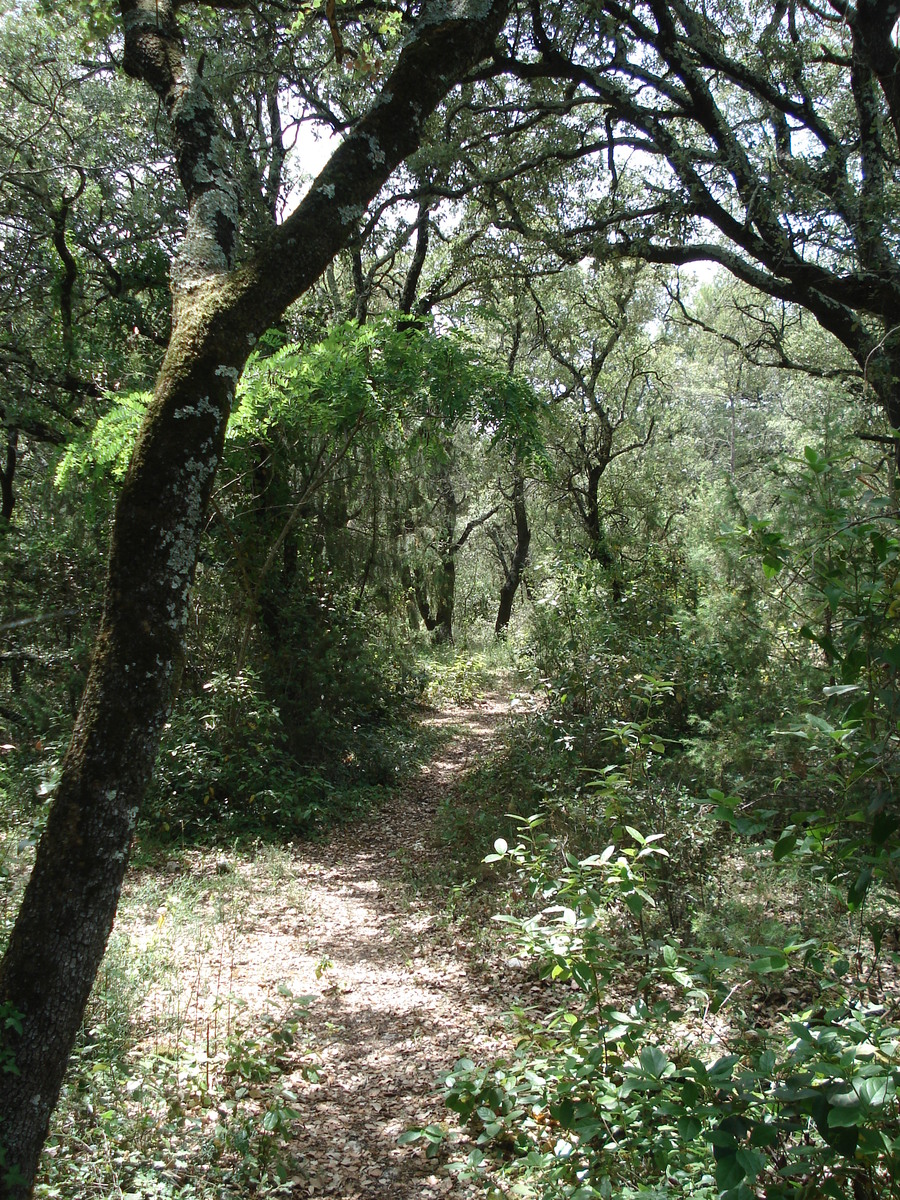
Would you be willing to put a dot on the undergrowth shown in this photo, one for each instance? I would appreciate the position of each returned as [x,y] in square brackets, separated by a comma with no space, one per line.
[711,877]
[177,1089]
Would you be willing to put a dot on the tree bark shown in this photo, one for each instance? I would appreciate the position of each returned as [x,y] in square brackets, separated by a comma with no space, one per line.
[597,547]
[445,587]
[7,475]
[440,622]
[416,587]
[519,557]
[62,928]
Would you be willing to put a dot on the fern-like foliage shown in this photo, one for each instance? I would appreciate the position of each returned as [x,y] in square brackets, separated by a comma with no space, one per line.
[103,452]
[380,376]
[388,383]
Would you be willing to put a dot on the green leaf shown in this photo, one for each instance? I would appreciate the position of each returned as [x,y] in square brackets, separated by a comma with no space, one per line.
[764,1135]
[844,1110]
[834,594]
[689,1128]
[729,1172]
[860,886]
[876,1091]
[723,1140]
[784,846]
[654,1061]
[816,462]
[723,1068]
[751,1162]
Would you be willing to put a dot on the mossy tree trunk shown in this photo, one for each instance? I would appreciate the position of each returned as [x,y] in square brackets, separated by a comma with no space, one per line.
[445,600]
[438,620]
[65,919]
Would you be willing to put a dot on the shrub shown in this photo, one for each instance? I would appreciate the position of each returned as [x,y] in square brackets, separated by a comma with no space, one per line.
[607,1097]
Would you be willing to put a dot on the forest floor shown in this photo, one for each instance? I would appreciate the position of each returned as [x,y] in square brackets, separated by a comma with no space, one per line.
[356,934]
[270,1019]
[402,997]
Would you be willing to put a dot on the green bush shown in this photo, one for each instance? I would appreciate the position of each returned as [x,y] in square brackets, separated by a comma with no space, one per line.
[610,1098]
[335,674]
[597,658]
[225,770]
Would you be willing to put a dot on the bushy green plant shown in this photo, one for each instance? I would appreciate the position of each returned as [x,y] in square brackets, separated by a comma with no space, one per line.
[595,658]
[841,573]
[224,769]
[181,1122]
[337,676]
[307,739]
[614,1098]
[459,679]
[176,1090]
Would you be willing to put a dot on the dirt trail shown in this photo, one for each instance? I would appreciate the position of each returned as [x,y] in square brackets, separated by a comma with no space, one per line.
[396,1002]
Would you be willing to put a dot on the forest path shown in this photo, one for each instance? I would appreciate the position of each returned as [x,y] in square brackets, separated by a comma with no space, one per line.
[398,998]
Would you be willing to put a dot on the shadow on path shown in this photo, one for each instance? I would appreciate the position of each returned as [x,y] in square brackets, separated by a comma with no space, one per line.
[396,1004]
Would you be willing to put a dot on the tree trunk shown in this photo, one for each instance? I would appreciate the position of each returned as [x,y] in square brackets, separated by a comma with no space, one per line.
[7,475]
[417,605]
[598,546]
[519,557]
[445,586]
[883,372]
[439,620]
[67,912]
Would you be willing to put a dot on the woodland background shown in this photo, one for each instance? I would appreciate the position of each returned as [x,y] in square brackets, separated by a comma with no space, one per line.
[513,430]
